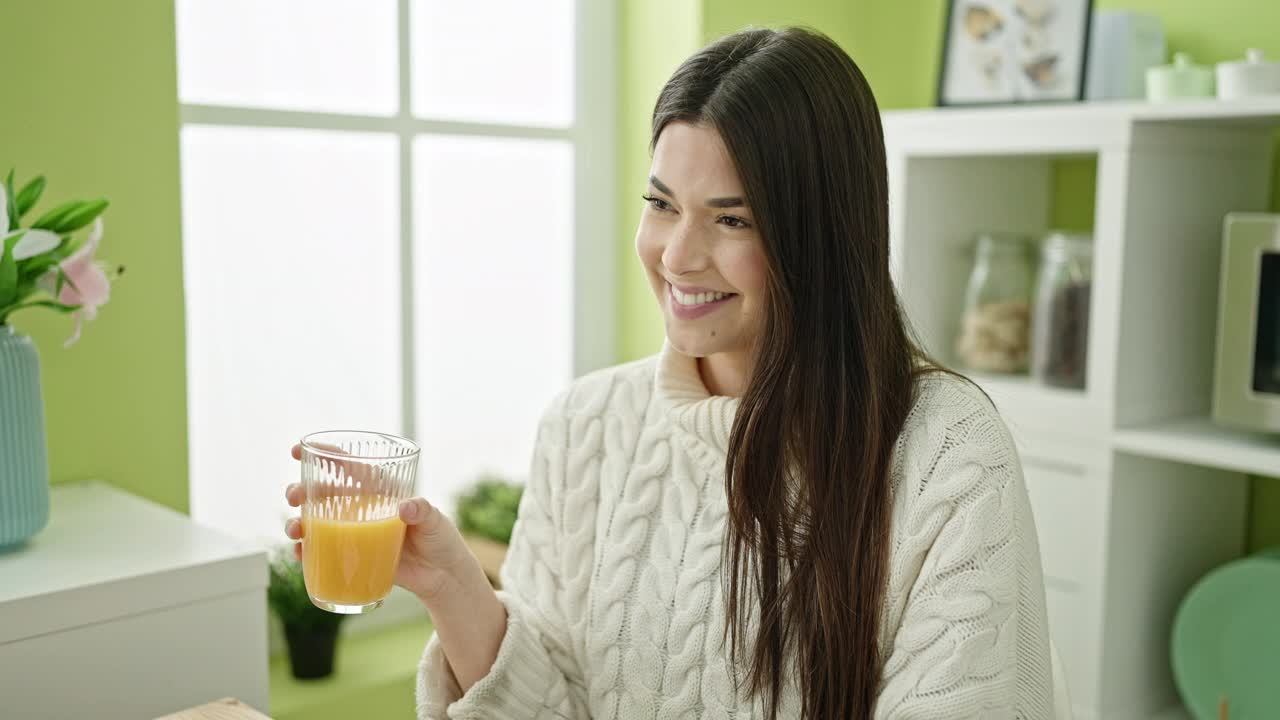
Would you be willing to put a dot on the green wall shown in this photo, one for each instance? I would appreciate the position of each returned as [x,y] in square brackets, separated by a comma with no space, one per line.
[655,36]
[895,42]
[90,100]
[897,45]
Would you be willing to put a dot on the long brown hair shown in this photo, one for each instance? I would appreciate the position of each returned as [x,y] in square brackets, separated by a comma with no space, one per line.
[807,476]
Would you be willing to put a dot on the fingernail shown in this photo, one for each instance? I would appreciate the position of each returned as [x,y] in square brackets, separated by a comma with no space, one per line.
[410,509]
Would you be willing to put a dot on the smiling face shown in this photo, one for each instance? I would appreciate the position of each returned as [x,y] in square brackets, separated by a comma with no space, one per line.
[699,245]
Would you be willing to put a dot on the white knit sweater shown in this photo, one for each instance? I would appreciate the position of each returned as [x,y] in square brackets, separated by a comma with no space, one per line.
[613,580]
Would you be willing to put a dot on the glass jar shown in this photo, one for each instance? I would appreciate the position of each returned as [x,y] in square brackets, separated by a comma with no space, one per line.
[997,305]
[1060,320]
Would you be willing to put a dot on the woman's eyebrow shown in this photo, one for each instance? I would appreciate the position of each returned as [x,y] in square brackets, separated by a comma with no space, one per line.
[723,202]
[726,202]
[662,187]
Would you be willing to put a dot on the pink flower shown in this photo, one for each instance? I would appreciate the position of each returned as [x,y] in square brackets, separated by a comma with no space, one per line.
[87,284]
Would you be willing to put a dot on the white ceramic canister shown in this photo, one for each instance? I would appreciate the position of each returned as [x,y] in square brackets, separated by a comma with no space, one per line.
[1250,77]
[1180,80]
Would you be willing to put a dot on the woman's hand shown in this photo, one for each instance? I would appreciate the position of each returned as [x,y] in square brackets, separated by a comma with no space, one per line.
[438,567]
[434,560]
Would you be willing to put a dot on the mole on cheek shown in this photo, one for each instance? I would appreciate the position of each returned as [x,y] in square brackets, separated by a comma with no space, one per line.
[713,333]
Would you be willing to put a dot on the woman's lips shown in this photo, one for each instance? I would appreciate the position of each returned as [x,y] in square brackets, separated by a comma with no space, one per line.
[704,301]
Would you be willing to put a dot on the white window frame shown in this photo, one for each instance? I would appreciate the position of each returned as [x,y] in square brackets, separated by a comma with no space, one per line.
[592,135]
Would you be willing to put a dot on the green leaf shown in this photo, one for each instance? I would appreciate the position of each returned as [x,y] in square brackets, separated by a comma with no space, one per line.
[80,217]
[9,271]
[34,268]
[64,279]
[29,195]
[51,219]
[58,307]
[11,202]
[50,304]
[287,595]
[69,248]
[489,508]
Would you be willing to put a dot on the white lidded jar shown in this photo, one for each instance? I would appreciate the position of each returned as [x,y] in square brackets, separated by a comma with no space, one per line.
[1181,80]
[1250,77]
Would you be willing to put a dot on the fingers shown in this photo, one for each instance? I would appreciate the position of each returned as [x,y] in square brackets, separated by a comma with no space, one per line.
[326,447]
[415,511]
[329,460]
[293,528]
[295,494]
[297,550]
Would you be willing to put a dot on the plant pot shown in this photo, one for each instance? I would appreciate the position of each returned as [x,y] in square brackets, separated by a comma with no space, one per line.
[311,650]
[24,461]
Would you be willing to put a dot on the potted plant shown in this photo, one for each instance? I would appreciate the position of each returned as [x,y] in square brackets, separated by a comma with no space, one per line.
[486,515]
[311,633]
[44,265]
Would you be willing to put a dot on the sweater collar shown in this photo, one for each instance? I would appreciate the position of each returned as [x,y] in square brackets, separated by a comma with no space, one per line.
[704,419]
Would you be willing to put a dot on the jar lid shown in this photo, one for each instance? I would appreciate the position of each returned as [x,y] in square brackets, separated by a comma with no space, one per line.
[1003,242]
[1063,242]
[1181,66]
[1253,57]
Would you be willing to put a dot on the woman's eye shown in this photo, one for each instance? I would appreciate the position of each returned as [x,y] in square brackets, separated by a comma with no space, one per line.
[657,203]
[735,222]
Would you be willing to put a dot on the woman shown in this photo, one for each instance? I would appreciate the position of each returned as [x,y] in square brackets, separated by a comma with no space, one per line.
[789,512]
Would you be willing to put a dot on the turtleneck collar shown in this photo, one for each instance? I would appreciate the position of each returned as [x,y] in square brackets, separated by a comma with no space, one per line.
[704,421]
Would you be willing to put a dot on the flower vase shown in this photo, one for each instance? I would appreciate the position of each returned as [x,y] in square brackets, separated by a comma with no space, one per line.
[24,462]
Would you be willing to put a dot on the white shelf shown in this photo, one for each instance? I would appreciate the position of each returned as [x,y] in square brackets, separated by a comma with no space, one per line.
[1200,442]
[1024,388]
[1065,128]
[1263,109]
[1036,412]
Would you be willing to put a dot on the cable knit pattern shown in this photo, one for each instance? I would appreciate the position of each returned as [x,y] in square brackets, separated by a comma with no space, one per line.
[613,580]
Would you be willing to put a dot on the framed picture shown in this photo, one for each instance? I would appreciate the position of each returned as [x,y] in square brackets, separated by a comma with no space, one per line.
[1012,51]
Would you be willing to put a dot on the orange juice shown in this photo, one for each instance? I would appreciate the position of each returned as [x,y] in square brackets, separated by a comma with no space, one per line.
[347,559]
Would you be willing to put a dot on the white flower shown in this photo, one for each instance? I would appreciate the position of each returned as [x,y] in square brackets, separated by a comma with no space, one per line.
[33,243]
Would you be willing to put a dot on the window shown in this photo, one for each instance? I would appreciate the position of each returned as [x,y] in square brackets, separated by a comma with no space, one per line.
[397,215]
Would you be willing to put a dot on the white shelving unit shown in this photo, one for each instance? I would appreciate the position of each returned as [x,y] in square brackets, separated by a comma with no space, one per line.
[1136,494]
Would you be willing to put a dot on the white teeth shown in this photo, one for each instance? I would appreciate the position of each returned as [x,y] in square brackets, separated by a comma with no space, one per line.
[697,298]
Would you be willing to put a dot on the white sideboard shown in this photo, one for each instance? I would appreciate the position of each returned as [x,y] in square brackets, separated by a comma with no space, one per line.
[121,608]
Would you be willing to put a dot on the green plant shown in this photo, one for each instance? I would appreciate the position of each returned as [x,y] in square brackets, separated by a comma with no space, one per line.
[287,595]
[489,508]
[42,265]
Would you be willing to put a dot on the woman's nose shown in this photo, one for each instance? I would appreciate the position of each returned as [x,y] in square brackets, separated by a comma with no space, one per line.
[685,252]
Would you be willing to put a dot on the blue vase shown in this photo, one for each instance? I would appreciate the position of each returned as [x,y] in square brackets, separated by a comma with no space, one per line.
[24,461]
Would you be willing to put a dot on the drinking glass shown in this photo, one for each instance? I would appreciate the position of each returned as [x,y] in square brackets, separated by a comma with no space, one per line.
[352,532]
